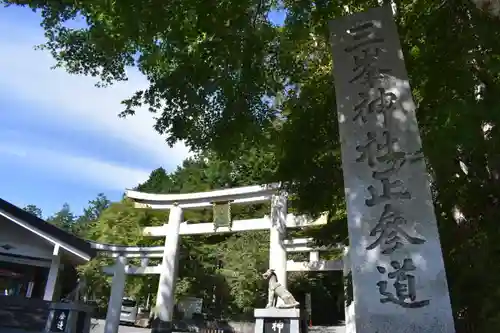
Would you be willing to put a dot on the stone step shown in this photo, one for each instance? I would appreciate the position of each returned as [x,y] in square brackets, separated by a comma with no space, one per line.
[327,329]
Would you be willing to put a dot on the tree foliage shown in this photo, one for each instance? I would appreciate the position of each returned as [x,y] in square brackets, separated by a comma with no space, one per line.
[63,219]
[121,224]
[223,76]
[91,214]
[34,210]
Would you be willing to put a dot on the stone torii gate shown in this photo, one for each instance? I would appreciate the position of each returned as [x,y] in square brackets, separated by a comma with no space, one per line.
[121,269]
[277,223]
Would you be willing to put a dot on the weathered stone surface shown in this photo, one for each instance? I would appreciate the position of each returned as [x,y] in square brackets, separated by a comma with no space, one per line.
[276,313]
[392,224]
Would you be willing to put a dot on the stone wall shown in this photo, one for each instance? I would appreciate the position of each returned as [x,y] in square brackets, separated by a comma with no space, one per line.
[242,327]
[23,314]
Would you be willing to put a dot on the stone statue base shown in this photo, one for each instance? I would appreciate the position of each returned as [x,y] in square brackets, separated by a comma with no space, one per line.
[277,320]
[159,326]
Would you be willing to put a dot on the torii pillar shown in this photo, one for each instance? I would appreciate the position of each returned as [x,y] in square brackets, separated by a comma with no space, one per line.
[165,299]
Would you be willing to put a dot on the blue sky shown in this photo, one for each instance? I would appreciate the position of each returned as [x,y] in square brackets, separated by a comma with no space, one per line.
[60,138]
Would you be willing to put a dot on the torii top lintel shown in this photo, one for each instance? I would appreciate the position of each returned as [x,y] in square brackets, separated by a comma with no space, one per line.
[237,195]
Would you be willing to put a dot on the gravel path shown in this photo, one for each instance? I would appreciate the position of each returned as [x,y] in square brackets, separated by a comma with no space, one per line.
[99,328]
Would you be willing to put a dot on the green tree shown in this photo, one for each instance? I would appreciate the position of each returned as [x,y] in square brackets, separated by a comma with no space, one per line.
[96,207]
[202,257]
[63,219]
[90,215]
[158,182]
[173,42]
[244,257]
[121,223]
[34,210]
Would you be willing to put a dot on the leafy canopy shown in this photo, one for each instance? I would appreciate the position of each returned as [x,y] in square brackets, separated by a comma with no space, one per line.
[210,63]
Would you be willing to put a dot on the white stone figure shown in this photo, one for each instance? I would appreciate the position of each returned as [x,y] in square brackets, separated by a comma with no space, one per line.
[276,290]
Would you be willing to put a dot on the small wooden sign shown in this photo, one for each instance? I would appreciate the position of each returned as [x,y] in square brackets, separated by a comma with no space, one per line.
[59,321]
[222,214]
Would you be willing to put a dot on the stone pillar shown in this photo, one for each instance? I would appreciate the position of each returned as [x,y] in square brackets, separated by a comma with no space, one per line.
[55,266]
[29,290]
[115,299]
[350,323]
[277,233]
[313,256]
[165,299]
[398,274]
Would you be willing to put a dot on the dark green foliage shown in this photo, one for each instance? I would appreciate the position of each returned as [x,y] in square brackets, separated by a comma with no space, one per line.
[34,210]
[63,219]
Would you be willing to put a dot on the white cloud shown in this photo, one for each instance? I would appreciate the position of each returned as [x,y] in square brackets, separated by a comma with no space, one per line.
[70,100]
[59,99]
[105,175]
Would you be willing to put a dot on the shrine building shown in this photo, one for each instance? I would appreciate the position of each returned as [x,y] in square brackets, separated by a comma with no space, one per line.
[37,259]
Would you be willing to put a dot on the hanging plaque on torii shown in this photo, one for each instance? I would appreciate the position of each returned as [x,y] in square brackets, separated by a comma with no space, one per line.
[222,214]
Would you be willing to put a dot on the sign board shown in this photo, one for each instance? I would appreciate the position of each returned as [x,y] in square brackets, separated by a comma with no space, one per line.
[276,325]
[222,214]
[59,320]
[398,274]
